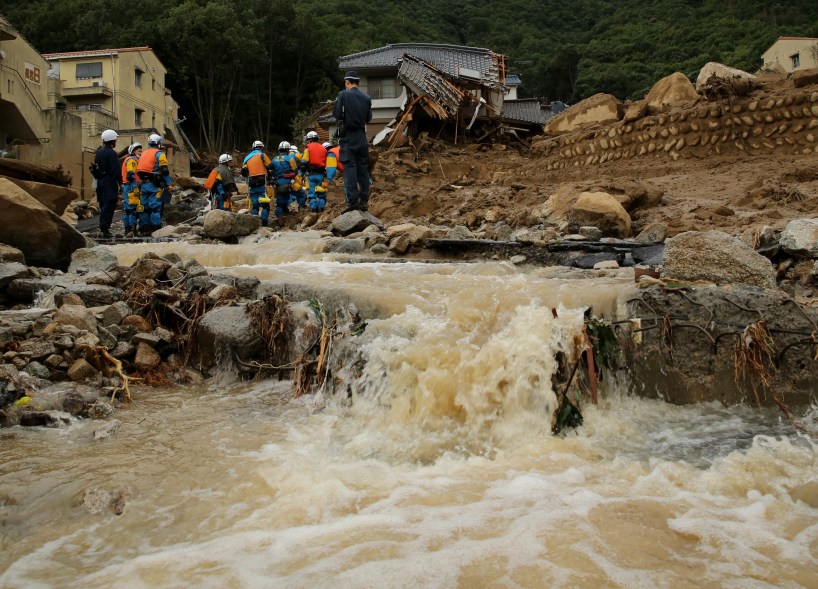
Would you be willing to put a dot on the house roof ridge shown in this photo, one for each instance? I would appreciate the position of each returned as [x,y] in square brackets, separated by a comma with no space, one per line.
[96,51]
[410,45]
[783,38]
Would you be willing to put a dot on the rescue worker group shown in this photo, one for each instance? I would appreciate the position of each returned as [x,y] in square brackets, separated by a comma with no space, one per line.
[289,178]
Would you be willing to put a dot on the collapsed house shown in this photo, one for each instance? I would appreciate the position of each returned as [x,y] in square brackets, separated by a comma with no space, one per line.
[457,90]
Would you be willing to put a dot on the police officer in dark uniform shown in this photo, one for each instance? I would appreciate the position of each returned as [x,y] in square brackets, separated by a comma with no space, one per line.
[109,180]
[353,110]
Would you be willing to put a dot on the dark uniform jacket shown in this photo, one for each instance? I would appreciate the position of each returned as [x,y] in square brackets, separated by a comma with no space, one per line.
[108,163]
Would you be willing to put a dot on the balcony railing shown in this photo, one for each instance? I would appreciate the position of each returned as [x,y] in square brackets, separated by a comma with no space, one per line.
[92,89]
[91,107]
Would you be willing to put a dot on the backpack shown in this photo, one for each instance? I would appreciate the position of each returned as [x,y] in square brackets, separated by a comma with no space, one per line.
[211,180]
[96,171]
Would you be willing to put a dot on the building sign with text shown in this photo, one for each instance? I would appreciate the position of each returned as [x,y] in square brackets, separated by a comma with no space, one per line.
[32,73]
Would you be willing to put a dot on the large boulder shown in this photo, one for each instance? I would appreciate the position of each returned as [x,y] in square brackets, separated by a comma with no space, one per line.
[672,90]
[56,198]
[224,224]
[716,257]
[94,259]
[598,109]
[719,70]
[556,207]
[800,238]
[600,210]
[43,237]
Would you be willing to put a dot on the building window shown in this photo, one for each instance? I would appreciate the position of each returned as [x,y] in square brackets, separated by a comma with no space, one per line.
[382,88]
[137,117]
[796,61]
[86,71]
[138,77]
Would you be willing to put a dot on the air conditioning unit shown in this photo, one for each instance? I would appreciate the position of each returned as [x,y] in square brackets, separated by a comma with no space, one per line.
[98,84]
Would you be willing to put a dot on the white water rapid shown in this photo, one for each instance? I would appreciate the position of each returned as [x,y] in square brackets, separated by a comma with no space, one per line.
[441,473]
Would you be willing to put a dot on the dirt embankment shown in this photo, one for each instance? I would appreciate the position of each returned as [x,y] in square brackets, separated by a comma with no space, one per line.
[729,164]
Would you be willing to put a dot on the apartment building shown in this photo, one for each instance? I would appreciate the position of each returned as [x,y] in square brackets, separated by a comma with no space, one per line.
[122,89]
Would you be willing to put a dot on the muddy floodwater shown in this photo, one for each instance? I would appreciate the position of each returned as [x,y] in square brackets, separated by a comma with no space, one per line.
[442,473]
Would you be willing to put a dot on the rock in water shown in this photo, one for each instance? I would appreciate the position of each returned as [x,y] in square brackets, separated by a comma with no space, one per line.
[223,224]
[100,258]
[97,500]
[354,221]
[715,257]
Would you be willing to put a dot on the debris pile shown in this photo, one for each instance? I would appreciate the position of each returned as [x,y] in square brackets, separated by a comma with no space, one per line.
[103,327]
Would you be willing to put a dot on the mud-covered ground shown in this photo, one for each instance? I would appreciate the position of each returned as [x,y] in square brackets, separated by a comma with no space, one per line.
[465,186]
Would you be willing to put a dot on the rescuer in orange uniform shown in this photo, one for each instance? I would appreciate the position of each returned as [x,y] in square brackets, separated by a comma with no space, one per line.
[154,177]
[255,168]
[314,166]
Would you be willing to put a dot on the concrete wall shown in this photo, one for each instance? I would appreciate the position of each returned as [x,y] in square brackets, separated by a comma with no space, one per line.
[23,88]
[780,54]
[63,148]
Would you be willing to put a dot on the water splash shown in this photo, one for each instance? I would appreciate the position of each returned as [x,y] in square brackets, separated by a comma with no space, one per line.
[437,384]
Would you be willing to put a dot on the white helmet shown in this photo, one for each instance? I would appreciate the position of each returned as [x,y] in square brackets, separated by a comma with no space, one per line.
[312,136]
[225,157]
[284,146]
[258,145]
[109,135]
[134,147]
[293,149]
[327,144]
[155,140]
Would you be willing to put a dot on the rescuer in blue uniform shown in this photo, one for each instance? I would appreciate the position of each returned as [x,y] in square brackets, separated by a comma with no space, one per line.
[353,110]
[106,163]
[282,167]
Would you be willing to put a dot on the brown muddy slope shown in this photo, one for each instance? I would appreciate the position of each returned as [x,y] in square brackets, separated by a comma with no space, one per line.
[747,162]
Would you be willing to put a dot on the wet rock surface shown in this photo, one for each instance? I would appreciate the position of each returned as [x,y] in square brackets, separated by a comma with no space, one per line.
[700,338]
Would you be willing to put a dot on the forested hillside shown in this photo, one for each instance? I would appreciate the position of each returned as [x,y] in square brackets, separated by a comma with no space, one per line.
[245,68]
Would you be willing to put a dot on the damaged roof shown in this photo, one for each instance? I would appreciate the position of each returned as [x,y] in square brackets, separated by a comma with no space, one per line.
[526,110]
[426,80]
[451,59]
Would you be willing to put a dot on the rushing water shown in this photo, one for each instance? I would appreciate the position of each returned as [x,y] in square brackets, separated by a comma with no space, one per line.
[442,472]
